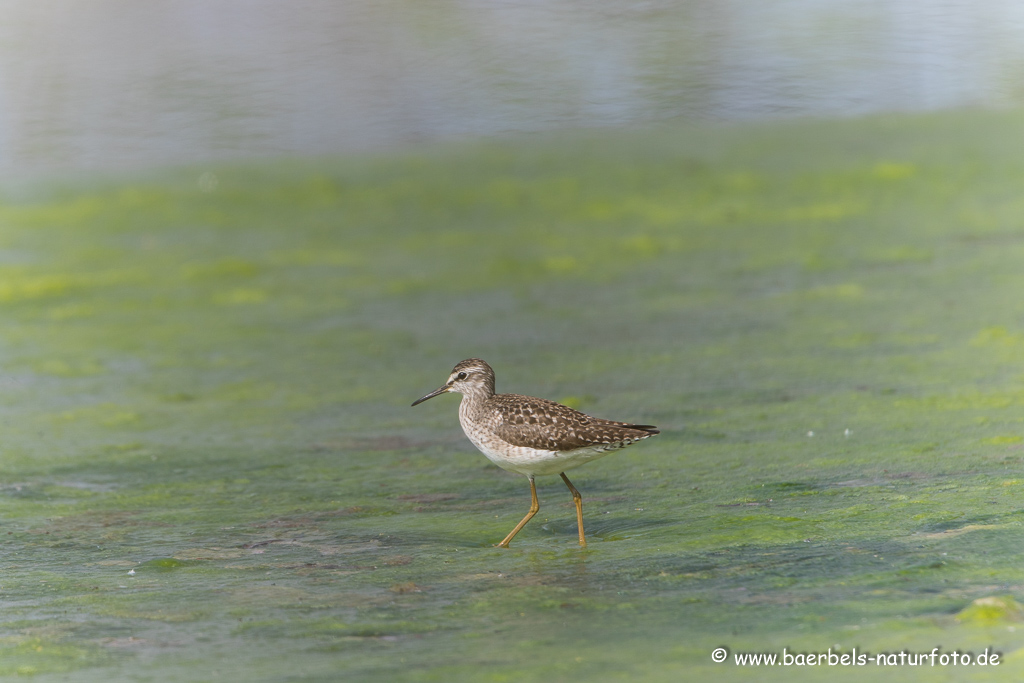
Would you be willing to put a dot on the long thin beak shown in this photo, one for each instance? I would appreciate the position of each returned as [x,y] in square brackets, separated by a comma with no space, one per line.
[432,394]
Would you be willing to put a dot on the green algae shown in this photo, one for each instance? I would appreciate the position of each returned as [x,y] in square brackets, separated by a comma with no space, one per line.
[992,610]
[210,468]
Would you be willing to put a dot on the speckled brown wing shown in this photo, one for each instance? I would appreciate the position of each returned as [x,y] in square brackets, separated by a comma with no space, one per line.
[542,424]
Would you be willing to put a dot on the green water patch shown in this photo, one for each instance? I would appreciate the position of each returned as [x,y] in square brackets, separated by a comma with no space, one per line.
[211,468]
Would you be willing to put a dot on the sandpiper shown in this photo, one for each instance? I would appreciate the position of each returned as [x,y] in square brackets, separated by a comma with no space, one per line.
[530,435]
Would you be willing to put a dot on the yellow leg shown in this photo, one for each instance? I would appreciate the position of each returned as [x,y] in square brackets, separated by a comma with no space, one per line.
[534,506]
[578,499]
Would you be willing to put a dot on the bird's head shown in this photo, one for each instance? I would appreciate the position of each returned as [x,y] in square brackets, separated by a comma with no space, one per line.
[471,376]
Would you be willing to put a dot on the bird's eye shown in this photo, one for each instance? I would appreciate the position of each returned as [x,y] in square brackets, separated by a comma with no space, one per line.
[461,375]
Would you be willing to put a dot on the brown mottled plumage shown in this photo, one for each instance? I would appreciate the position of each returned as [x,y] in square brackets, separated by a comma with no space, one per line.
[540,423]
[532,435]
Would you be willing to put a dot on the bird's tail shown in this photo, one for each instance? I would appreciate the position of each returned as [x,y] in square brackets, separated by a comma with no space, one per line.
[650,429]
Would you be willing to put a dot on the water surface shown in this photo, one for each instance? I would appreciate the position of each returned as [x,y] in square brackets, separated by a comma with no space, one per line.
[104,84]
[211,469]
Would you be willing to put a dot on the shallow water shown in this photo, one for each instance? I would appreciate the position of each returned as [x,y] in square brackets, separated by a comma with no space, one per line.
[102,84]
[208,384]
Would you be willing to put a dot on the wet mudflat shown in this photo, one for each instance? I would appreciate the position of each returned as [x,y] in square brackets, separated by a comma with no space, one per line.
[210,469]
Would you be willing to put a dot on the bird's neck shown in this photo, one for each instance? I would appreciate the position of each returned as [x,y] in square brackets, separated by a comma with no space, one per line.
[474,400]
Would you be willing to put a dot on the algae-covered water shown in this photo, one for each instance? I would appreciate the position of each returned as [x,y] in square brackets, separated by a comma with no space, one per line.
[210,470]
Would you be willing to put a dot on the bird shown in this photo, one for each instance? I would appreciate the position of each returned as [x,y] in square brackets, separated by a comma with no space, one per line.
[532,436]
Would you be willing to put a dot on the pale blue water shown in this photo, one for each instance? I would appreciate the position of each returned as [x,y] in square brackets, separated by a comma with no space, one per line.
[105,84]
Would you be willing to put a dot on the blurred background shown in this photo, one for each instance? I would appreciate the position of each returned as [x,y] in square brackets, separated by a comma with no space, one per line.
[107,84]
[239,237]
